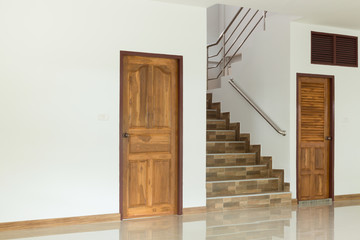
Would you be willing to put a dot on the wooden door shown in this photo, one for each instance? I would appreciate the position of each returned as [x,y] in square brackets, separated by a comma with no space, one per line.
[150,119]
[314,137]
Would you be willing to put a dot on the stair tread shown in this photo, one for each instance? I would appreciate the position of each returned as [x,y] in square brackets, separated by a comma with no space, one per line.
[221,130]
[210,109]
[225,141]
[250,195]
[231,153]
[243,180]
[238,166]
[216,120]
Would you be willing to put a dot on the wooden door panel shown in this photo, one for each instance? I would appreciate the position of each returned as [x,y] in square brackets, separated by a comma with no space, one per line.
[161,180]
[150,116]
[138,96]
[312,111]
[305,186]
[319,185]
[313,127]
[305,155]
[150,143]
[320,160]
[137,178]
[162,103]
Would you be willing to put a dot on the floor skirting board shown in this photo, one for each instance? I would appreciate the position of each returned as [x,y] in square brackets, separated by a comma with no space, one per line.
[194,210]
[59,222]
[347,197]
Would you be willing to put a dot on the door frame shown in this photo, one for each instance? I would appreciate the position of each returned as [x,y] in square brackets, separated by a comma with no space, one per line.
[332,130]
[180,124]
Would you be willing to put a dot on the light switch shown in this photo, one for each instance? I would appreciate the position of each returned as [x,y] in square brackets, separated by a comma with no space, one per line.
[103,117]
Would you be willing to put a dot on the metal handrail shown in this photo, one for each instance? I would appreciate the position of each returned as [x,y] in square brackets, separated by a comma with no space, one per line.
[266,117]
[226,29]
[243,42]
[237,38]
[225,40]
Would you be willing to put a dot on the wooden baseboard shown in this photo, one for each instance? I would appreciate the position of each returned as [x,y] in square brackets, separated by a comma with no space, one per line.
[347,197]
[59,222]
[194,210]
[294,201]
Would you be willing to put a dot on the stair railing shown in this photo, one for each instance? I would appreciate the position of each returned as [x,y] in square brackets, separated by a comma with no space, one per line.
[224,40]
[261,112]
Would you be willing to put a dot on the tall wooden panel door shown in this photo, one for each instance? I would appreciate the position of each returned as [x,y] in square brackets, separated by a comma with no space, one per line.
[150,136]
[314,137]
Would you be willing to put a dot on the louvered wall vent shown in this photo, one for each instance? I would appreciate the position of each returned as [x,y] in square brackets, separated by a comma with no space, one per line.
[334,49]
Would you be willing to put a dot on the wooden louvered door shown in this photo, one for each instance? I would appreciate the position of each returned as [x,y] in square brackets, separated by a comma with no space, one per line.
[150,135]
[314,137]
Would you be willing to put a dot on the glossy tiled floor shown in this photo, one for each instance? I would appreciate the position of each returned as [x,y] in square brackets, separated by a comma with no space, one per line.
[337,221]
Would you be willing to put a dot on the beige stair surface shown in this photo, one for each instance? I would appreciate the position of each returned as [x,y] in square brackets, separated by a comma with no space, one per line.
[237,176]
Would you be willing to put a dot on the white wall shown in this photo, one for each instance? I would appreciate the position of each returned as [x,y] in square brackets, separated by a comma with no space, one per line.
[59,81]
[347,100]
[263,74]
[213,27]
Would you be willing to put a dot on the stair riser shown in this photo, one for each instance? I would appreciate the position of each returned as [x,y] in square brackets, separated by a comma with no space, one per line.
[236,173]
[225,147]
[215,125]
[272,200]
[230,160]
[208,100]
[211,114]
[220,136]
[217,189]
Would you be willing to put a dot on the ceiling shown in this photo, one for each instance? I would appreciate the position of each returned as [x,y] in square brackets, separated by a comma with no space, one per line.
[337,13]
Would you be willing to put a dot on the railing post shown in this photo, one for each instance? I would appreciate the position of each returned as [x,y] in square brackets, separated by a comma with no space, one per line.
[224,52]
[264,15]
[207,68]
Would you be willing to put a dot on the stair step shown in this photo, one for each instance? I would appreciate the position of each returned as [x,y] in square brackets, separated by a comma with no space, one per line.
[225,146]
[236,172]
[220,135]
[248,201]
[230,159]
[213,124]
[211,113]
[241,187]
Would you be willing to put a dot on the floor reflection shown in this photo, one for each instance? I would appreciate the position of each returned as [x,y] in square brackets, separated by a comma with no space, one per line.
[340,220]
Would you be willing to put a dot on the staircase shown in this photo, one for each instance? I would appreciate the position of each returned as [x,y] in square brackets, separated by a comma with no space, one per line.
[237,176]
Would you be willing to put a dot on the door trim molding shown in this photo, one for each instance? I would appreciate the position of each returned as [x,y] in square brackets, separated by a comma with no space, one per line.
[180,124]
[332,130]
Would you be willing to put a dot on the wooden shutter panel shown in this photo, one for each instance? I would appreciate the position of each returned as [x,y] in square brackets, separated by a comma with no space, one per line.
[322,48]
[346,51]
[334,49]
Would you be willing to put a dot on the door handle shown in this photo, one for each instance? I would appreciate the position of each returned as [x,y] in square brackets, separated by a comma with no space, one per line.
[328,138]
[126,135]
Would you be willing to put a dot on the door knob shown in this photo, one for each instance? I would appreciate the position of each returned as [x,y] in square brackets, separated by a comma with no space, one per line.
[328,138]
[126,135]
